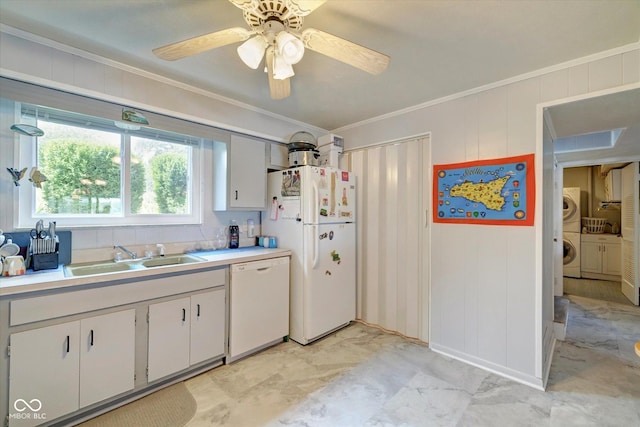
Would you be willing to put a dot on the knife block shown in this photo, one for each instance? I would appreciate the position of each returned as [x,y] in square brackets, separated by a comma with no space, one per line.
[44,261]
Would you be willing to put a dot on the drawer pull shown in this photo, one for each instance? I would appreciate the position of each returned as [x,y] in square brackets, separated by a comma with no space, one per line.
[198,314]
[184,315]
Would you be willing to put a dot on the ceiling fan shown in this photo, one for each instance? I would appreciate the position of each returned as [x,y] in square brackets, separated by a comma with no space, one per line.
[276,35]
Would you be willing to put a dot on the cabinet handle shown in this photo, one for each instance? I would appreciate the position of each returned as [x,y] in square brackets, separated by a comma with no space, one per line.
[68,342]
[198,314]
[236,194]
[184,315]
[91,338]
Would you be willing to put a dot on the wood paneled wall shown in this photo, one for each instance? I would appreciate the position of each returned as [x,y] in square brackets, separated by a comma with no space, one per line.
[489,286]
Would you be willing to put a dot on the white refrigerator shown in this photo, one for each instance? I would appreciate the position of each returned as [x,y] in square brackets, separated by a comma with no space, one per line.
[312,212]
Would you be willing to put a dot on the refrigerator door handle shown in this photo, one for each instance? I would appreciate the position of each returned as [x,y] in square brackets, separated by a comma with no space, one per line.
[314,203]
[316,241]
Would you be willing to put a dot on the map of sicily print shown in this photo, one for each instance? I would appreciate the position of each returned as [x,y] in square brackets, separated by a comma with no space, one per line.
[491,192]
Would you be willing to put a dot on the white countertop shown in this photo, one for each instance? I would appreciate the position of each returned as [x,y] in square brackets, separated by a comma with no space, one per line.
[55,279]
[595,237]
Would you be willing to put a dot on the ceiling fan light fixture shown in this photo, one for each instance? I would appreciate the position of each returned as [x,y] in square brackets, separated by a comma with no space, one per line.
[281,69]
[290,48]
[252,51]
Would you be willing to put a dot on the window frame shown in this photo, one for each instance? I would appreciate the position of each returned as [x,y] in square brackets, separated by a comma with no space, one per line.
[26,149]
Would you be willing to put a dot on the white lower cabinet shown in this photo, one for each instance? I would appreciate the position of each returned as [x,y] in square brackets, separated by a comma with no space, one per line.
[107,356]
[185,331]
[74,352]
[44,374]
[600,254]
[58,369]
[207,326]
[168,338]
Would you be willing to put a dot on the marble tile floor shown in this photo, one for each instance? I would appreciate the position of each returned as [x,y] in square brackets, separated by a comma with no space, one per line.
[361,376]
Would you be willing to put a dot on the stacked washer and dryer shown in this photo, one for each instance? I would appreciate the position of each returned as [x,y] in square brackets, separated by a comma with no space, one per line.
[571,231]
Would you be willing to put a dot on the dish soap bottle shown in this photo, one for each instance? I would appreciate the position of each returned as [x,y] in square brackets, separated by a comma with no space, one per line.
[234,235]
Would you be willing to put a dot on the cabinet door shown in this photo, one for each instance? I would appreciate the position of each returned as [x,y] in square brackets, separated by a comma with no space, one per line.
[612,259]
[591,257]
[207,326]
[107,356]
[247,173]
[44,373]
[278,156]
[168,337]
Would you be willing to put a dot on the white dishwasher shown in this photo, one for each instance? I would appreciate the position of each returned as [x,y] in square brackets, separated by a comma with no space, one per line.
[258,306]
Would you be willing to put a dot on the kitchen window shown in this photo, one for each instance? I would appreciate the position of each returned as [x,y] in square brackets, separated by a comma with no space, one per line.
[105,172]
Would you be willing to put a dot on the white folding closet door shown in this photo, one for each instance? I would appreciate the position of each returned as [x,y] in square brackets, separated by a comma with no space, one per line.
[390,224]
[630,220]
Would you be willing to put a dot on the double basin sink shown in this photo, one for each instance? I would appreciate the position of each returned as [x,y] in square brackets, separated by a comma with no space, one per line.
[126,265]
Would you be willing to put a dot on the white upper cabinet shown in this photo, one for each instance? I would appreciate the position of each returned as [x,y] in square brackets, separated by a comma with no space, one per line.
[240,174]
[612,185]
[278,156]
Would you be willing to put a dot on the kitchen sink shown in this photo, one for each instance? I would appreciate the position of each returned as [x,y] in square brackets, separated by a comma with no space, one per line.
[126,265]
[101,268]
[171,260]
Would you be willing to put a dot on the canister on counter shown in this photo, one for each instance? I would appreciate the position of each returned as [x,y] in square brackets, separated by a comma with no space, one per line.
[270,242]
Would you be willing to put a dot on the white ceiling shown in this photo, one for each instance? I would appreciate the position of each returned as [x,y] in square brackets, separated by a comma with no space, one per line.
[437,48]
[619,110]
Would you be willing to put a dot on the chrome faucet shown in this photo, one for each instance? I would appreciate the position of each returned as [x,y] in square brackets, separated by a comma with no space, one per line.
[133,255]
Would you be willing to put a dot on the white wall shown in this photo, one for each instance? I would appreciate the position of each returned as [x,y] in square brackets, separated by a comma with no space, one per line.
[487,291]
[42,62]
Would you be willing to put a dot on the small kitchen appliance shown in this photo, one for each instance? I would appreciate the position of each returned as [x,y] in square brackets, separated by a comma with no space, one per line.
[302,150]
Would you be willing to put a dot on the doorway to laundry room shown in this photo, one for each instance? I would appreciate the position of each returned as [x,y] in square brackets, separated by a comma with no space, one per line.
[596,150]
[596,164]
[591,232]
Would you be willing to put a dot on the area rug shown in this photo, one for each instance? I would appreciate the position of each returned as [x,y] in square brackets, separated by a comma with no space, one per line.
[596,289]
[173,406]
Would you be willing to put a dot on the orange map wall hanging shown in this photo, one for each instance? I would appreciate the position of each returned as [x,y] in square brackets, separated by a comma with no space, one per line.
[492,192]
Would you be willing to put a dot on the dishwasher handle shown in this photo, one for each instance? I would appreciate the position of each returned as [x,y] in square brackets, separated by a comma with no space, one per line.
[259,266]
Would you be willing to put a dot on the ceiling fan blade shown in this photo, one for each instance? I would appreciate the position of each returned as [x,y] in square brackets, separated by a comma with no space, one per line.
[189,47]
[345,51]
[279,89]
[246,5]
